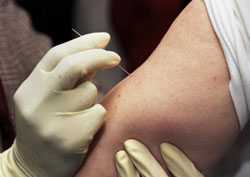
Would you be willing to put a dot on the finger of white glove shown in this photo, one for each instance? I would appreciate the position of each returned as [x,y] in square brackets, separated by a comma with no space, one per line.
[143,160]
[79,128]
[80,98]
[74,67]
[124,165]
[83,43]
[177,162]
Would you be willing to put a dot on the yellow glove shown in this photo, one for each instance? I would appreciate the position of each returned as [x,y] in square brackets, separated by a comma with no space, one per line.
[137,159]
[56,114]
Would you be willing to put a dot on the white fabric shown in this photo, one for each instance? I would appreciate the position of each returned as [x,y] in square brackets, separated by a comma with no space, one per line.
[231,22]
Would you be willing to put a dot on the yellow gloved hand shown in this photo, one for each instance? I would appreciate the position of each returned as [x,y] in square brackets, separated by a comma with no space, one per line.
[56,111]
[137,159]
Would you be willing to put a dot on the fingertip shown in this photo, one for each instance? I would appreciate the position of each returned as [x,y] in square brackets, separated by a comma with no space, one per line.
[88,85]
[100,109]
[97,59]
[103,39]
[115,59]
[133,146]
[121,155]
[178,162]
[163,146]
[167,148]
[130,143]
[106,36]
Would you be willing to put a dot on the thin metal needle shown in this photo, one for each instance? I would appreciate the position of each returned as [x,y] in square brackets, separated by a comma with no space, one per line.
[76,32]
[122,68]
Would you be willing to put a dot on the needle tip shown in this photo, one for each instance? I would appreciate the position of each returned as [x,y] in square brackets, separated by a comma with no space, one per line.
[76,32]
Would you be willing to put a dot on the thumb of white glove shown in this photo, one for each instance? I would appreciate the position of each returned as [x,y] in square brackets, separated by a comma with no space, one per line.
[56,116]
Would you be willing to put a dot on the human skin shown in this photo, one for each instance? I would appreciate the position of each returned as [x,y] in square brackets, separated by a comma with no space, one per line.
[179,95]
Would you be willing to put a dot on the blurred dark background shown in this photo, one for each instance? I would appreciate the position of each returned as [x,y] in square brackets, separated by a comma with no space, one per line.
[53,17]
[139,24]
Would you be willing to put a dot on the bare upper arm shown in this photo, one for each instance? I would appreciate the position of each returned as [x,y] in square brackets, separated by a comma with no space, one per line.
[180,94]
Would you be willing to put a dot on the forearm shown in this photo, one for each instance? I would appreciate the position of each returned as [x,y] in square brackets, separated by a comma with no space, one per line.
[180,95]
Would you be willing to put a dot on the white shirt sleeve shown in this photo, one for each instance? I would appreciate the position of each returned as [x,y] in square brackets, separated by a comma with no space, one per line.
[231,22]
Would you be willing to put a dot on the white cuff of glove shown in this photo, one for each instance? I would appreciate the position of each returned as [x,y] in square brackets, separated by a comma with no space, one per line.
[11,164]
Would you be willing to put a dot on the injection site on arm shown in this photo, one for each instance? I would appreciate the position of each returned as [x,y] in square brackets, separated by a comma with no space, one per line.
[179,95]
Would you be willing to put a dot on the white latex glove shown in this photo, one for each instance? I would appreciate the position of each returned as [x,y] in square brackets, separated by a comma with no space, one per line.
[137,159]
[56,114]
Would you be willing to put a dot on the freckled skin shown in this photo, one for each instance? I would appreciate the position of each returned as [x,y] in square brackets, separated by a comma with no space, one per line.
[179,95]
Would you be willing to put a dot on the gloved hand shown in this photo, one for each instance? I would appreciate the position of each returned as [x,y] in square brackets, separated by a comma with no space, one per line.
[137,159]
[56,114]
